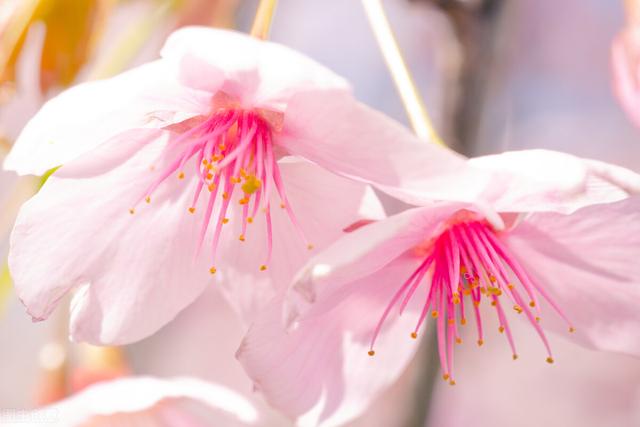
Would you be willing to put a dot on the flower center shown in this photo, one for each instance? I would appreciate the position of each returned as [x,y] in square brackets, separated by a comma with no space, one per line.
[232,151]
[466,264]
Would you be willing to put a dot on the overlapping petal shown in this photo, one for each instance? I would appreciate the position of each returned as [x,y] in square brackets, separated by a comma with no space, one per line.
[85,116]
[320,372]
[261,74]
[587,262]
[136,271]
[544,180]
[324,204]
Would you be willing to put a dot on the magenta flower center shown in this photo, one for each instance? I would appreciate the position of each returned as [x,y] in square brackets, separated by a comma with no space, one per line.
[232,154]
[463,266]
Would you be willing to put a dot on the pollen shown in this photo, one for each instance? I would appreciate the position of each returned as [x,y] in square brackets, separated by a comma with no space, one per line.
[263,267]
[192,209]
[371,353]
[414,335]
[241,238]
[212,270]
[181,175]
[550,360]
[147,199]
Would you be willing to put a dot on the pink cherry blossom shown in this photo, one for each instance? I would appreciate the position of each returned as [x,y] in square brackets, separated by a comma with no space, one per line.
[554,242]
[224,161]
[144,401]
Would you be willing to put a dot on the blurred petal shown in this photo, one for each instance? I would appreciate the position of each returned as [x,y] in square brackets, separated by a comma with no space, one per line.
[147,401]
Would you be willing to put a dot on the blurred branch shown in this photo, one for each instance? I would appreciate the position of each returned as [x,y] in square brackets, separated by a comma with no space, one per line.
[262,21]
[411,99]
[476,26]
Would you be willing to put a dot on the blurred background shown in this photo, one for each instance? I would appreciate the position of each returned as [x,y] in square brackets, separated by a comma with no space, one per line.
[494,75]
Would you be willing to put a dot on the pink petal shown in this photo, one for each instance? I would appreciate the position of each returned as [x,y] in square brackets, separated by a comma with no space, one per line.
[85,116]
[148,401]
[625,54]
[321,372]
[261,74]
[324,205]
[326,277]
[337,132]
[140,269]
[543,180]
[588,262]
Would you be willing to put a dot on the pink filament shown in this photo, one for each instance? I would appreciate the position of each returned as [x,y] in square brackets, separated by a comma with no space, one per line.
[231,148]
[469,260]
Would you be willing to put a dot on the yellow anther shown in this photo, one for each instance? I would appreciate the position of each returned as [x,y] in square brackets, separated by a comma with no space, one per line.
[517,308]
[243,201]
[510,286]
[414,335]
[222,147]
[572,329]
[282,205]
[494,303]
[463,322]
[501,329]
[532,304]
[132,211]
[451,322]
[476,303]
[492,278]
[537,319]
[514,357]
[192,209]
[181,175]
[209,175]
[459,340]
[263,267]
[445,377]
[225,195]
[371,353]
[455,299]
[250,220]
[148,199]
[243,172]
[216,158]
[234,180]
[434,314]
[225,220]
[241,238]
[251,184]
[480,343]
[310,246]
[452,382]
[483,290]
[205,162]
[212,270]
[549,360]
[466,292]
[495,291]
[211,187]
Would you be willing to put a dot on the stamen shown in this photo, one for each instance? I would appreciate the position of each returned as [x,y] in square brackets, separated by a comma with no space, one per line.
[231,149]
[468,261]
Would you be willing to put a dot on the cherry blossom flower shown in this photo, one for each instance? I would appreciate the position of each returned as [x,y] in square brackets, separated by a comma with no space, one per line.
[553,242]
[225,160]
[144,401]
